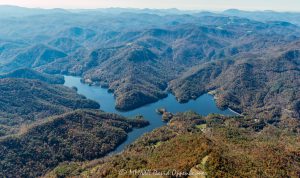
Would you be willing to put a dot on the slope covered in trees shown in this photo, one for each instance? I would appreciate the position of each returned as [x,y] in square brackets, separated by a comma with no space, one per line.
[76,136]
[249,64]
[213,146]
[23,101]
[137,59]
[28,73]
[32,57]
[262,87]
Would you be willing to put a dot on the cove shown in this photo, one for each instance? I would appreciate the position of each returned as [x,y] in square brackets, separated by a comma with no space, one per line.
[203,105]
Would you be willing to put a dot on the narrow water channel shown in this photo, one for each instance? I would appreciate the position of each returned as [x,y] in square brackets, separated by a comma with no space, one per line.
[203,105]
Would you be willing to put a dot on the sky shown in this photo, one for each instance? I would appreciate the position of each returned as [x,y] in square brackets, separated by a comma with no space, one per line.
[279,5]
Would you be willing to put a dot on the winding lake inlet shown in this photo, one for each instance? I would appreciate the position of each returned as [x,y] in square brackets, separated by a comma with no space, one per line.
[204,105]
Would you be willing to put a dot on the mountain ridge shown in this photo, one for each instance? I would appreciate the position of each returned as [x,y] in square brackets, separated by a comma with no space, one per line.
[24,101]
[43,146]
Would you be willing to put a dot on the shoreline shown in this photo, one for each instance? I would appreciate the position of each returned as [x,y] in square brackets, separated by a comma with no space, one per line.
[150,115]
[239,114]
[213,93]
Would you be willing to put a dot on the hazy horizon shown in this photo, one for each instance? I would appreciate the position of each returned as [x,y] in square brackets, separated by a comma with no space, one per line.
[213,5]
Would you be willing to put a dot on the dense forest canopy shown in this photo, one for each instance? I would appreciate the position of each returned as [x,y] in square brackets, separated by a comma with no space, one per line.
[249,62]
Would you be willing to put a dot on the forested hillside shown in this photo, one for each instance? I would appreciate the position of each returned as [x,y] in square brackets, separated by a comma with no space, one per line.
[138,56]
[249,62]
[23,101]
[213,146]
[76,136]
[28,73]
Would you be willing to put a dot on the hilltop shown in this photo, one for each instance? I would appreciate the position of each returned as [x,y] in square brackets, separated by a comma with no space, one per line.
[23,101]
[261,87]
[28,73]
[249,61]
[75,136]
[140,57]
[213,146]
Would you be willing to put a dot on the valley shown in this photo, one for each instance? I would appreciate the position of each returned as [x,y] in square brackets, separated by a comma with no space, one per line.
[25,101]
[90,93]
[212,146]
[79,135]
[203,105]
[140,62]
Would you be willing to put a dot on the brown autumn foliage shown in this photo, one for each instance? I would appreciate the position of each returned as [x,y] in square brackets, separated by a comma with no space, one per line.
[76,136]
[217,145]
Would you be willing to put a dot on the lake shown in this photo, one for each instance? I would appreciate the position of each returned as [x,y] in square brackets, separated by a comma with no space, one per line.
[203,105]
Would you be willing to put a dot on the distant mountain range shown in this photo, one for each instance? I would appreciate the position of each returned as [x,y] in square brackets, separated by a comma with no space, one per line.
[249,61]
[266,15]
[16,11]
[137,54]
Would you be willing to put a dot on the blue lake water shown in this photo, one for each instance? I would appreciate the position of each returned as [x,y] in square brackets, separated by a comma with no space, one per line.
[203,105]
